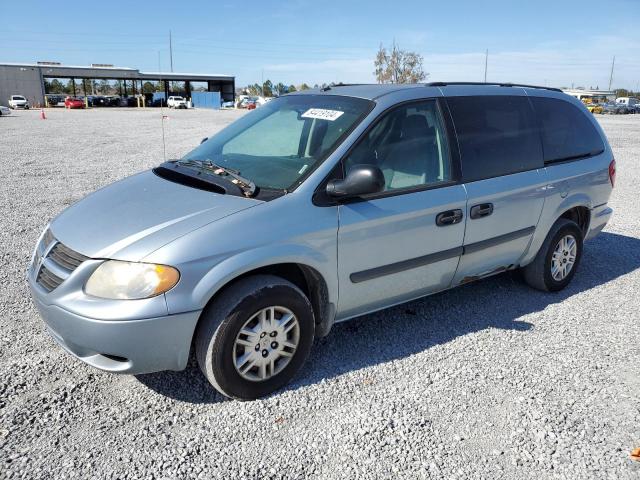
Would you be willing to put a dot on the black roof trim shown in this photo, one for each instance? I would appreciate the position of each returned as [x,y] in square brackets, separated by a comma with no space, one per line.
[505,84]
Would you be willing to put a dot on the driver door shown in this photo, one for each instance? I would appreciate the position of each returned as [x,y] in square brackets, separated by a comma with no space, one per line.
[405,241]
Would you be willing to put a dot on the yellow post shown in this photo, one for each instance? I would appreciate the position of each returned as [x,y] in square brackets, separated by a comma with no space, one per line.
[46,101]
[86,102]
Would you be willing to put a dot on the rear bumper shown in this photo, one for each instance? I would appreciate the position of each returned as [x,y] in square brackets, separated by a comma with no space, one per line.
[128,346]
[600,215]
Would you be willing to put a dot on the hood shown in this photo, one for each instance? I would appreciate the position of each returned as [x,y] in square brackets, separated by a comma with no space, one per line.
[129,219]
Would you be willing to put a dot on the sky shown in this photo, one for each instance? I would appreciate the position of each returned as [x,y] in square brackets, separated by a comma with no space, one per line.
[555,43]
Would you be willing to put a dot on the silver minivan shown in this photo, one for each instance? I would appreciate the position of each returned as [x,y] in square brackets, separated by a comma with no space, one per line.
[318,207]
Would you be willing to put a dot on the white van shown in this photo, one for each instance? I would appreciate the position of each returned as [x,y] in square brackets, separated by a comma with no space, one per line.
[628,101]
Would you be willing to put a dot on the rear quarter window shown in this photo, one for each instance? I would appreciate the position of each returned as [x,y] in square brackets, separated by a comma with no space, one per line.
[567,133]
[497,135]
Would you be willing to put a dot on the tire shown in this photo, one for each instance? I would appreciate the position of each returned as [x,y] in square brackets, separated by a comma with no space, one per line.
[539,273]
[236,309]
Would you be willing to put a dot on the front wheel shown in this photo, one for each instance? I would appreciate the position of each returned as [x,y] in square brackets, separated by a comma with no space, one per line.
[558,258]
[254,338]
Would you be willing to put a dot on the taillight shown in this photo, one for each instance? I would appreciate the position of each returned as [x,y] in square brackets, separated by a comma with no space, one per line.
[612,172]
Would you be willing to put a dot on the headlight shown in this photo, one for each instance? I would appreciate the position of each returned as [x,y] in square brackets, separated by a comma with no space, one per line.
[130,281]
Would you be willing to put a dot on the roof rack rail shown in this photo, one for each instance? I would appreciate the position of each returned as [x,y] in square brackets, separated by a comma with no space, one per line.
[329,87]
[498,84]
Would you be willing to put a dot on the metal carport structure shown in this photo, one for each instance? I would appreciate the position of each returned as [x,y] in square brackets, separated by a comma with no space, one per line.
[29,79]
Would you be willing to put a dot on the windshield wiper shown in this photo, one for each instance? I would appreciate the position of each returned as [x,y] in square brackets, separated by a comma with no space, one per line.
[247,186]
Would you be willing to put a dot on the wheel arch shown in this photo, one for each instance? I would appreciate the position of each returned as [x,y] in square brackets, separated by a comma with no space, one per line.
[581,215]
[576,208]
[306,277]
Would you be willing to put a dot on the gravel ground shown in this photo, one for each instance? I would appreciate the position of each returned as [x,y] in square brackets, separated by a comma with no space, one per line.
[491,380]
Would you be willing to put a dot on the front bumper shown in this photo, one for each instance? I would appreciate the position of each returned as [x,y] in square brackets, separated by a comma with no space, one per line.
[127,346]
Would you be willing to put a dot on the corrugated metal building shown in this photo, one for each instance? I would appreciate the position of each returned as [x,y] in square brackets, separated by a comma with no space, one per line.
[28,79]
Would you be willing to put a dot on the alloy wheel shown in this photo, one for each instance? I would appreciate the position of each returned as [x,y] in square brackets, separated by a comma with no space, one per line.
[266,343]
[564,257]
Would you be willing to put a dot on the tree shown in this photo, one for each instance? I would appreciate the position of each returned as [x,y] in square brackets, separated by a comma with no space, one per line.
[70,87]
[254,90]
[292,88]
[55,86]
[304,86]
[279,89]
[267,89]
[148,87]
[398,66]
[104,87]
[87,86]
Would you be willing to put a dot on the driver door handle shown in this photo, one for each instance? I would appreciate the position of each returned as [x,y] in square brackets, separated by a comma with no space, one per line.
[482,210]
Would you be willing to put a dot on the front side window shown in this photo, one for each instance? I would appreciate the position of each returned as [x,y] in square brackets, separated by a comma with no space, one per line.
[278,143]
[409,145]
[497,135]
[566,132]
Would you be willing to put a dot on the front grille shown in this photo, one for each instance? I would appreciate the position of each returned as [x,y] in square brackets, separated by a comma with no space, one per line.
[48,280]
[54,262]
[65,257]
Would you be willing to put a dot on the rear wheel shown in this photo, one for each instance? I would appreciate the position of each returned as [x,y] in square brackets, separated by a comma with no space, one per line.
[558,258]
[254,338]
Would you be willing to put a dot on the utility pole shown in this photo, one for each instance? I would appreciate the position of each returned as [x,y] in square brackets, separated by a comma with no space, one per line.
[611,76]
[486,60]
[170,51]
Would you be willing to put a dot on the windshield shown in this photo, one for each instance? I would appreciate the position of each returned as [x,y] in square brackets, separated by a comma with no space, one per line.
[277,144]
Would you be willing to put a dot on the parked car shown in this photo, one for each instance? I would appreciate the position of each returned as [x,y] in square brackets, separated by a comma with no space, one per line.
[614,108]
[113,101]
[363,197]
[227,105]
[54,100]
[4,110]
[594,107]
[18,101]
[176,102]
[99,101]
[73,102]
[245,101]
[158,102]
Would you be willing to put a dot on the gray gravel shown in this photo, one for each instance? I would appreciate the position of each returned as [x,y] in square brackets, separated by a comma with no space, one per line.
[492,380]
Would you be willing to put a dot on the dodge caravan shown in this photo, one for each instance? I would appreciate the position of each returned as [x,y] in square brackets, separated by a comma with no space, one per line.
[318,207]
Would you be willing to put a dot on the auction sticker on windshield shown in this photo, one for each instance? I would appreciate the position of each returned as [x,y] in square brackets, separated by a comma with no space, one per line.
[322,114]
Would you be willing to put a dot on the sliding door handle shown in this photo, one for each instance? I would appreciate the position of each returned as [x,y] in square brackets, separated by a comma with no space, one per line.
[450,217]
[482,210]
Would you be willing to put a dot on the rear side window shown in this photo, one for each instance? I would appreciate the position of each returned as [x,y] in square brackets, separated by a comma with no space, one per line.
[497,135]
[566,131]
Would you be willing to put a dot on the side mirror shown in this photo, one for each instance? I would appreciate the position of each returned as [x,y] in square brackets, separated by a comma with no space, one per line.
[204,140]
[361,180]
